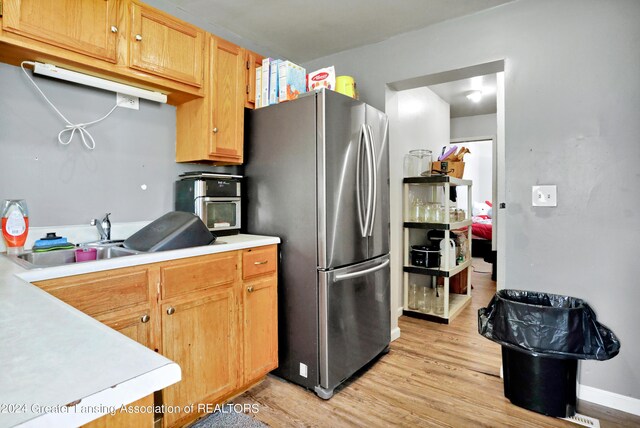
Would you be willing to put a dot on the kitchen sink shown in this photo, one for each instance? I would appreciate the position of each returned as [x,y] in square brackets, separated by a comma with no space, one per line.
[31,260]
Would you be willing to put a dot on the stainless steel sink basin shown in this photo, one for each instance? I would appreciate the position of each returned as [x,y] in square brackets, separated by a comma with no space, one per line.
[31,260]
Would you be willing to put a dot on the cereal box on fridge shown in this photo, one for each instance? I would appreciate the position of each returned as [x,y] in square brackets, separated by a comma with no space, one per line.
[258,101]
[323,78]
[273,81]
[292,81]
[265,82]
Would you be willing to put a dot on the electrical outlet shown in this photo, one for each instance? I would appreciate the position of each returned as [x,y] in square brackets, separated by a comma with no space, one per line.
[544,196]
[127,101]
[303,370]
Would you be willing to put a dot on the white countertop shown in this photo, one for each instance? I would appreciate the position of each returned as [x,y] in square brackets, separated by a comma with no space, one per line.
[53,355]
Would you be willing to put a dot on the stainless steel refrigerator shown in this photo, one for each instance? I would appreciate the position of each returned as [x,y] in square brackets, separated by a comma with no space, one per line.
[317,176]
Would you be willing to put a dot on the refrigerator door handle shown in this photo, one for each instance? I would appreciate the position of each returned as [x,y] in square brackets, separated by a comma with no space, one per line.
[363,224]
[368,223]
[361,272]
[374,174]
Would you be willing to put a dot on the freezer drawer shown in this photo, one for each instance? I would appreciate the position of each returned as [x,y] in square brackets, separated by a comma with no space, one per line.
[354,319]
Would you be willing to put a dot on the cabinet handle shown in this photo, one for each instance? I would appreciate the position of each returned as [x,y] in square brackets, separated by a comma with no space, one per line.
[171,310]
[215,130]
[250,289]
[145,318]
[114,29]
[264,262]
[138,38]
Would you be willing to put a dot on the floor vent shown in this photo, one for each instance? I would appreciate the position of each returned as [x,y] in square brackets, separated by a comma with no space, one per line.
[583,420]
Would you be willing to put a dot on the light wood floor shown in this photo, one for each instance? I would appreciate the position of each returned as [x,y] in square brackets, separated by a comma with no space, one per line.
[434,376]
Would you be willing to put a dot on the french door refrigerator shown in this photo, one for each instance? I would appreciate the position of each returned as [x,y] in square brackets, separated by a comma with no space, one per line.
[316,175]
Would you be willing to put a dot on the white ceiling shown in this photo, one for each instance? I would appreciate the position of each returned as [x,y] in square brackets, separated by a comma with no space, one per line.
[304,30]
[455,93]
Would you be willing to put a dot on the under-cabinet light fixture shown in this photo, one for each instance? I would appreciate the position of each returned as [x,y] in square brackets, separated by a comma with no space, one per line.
[96,82]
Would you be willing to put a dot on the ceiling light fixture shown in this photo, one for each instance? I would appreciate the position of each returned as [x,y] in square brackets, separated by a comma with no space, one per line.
[474,96]
[96,82]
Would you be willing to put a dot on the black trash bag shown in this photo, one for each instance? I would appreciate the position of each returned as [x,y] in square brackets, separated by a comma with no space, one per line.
[548,325]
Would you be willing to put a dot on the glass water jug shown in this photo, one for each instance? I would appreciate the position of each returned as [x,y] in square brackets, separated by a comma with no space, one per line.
[417,163]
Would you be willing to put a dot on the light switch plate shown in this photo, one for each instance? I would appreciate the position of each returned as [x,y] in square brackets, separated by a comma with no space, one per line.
[544,196]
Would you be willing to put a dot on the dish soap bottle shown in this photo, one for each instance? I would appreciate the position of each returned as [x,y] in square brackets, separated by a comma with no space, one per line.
[15,224]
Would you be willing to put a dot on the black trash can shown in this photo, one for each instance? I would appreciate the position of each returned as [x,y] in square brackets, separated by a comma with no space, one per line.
[543,336]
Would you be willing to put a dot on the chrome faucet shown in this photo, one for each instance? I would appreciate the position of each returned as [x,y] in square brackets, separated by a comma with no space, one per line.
[104,227]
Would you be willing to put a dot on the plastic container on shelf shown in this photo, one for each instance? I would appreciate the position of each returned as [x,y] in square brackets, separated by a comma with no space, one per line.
[413,295]
[417,163]
[418,211]
[421,304]
[15,224]
[438,300]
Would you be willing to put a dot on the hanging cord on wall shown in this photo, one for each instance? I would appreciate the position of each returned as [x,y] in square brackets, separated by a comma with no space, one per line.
[71,128]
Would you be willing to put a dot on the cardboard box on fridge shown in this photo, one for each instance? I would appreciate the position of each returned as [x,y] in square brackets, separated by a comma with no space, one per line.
[453,169]
[274,65]
[323,78]
[293,81]
[266,76]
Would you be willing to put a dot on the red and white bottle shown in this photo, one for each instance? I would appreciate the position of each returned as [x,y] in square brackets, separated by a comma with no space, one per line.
[15,224]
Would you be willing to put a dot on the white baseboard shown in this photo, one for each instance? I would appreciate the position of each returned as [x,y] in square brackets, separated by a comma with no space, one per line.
[609,399]
[400,311]
[395,333]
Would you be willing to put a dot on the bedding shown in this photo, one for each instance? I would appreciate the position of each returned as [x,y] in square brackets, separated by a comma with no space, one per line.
[481,227]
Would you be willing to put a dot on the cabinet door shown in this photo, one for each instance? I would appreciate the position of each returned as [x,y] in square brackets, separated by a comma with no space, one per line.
[135,324]
[85,26]
[227,94]
[200,335]
[252,61]
[260,327]
[165,46]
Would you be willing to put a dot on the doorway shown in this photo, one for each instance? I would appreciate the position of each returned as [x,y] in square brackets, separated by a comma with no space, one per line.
[420,119]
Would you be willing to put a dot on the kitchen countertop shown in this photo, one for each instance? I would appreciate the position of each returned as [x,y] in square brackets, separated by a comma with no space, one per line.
[54,355]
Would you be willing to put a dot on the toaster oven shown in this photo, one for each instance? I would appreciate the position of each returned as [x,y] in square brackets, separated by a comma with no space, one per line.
[215,198]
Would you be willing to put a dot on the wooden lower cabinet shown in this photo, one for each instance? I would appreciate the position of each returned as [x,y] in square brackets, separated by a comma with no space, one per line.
[128,419]
[200,336]
[214,315]
[260,313]
[134,323]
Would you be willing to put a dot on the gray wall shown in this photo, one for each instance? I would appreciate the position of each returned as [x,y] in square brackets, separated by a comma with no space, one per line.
[66,185]
[572,107]
[482,125]
[71,185]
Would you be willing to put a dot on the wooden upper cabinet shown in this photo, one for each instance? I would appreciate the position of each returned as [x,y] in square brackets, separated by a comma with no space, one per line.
[165,46]
[227,95]
[252,61]
[88,27]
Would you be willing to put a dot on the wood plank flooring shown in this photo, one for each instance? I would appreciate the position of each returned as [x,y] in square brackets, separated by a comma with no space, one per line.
[434,376]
